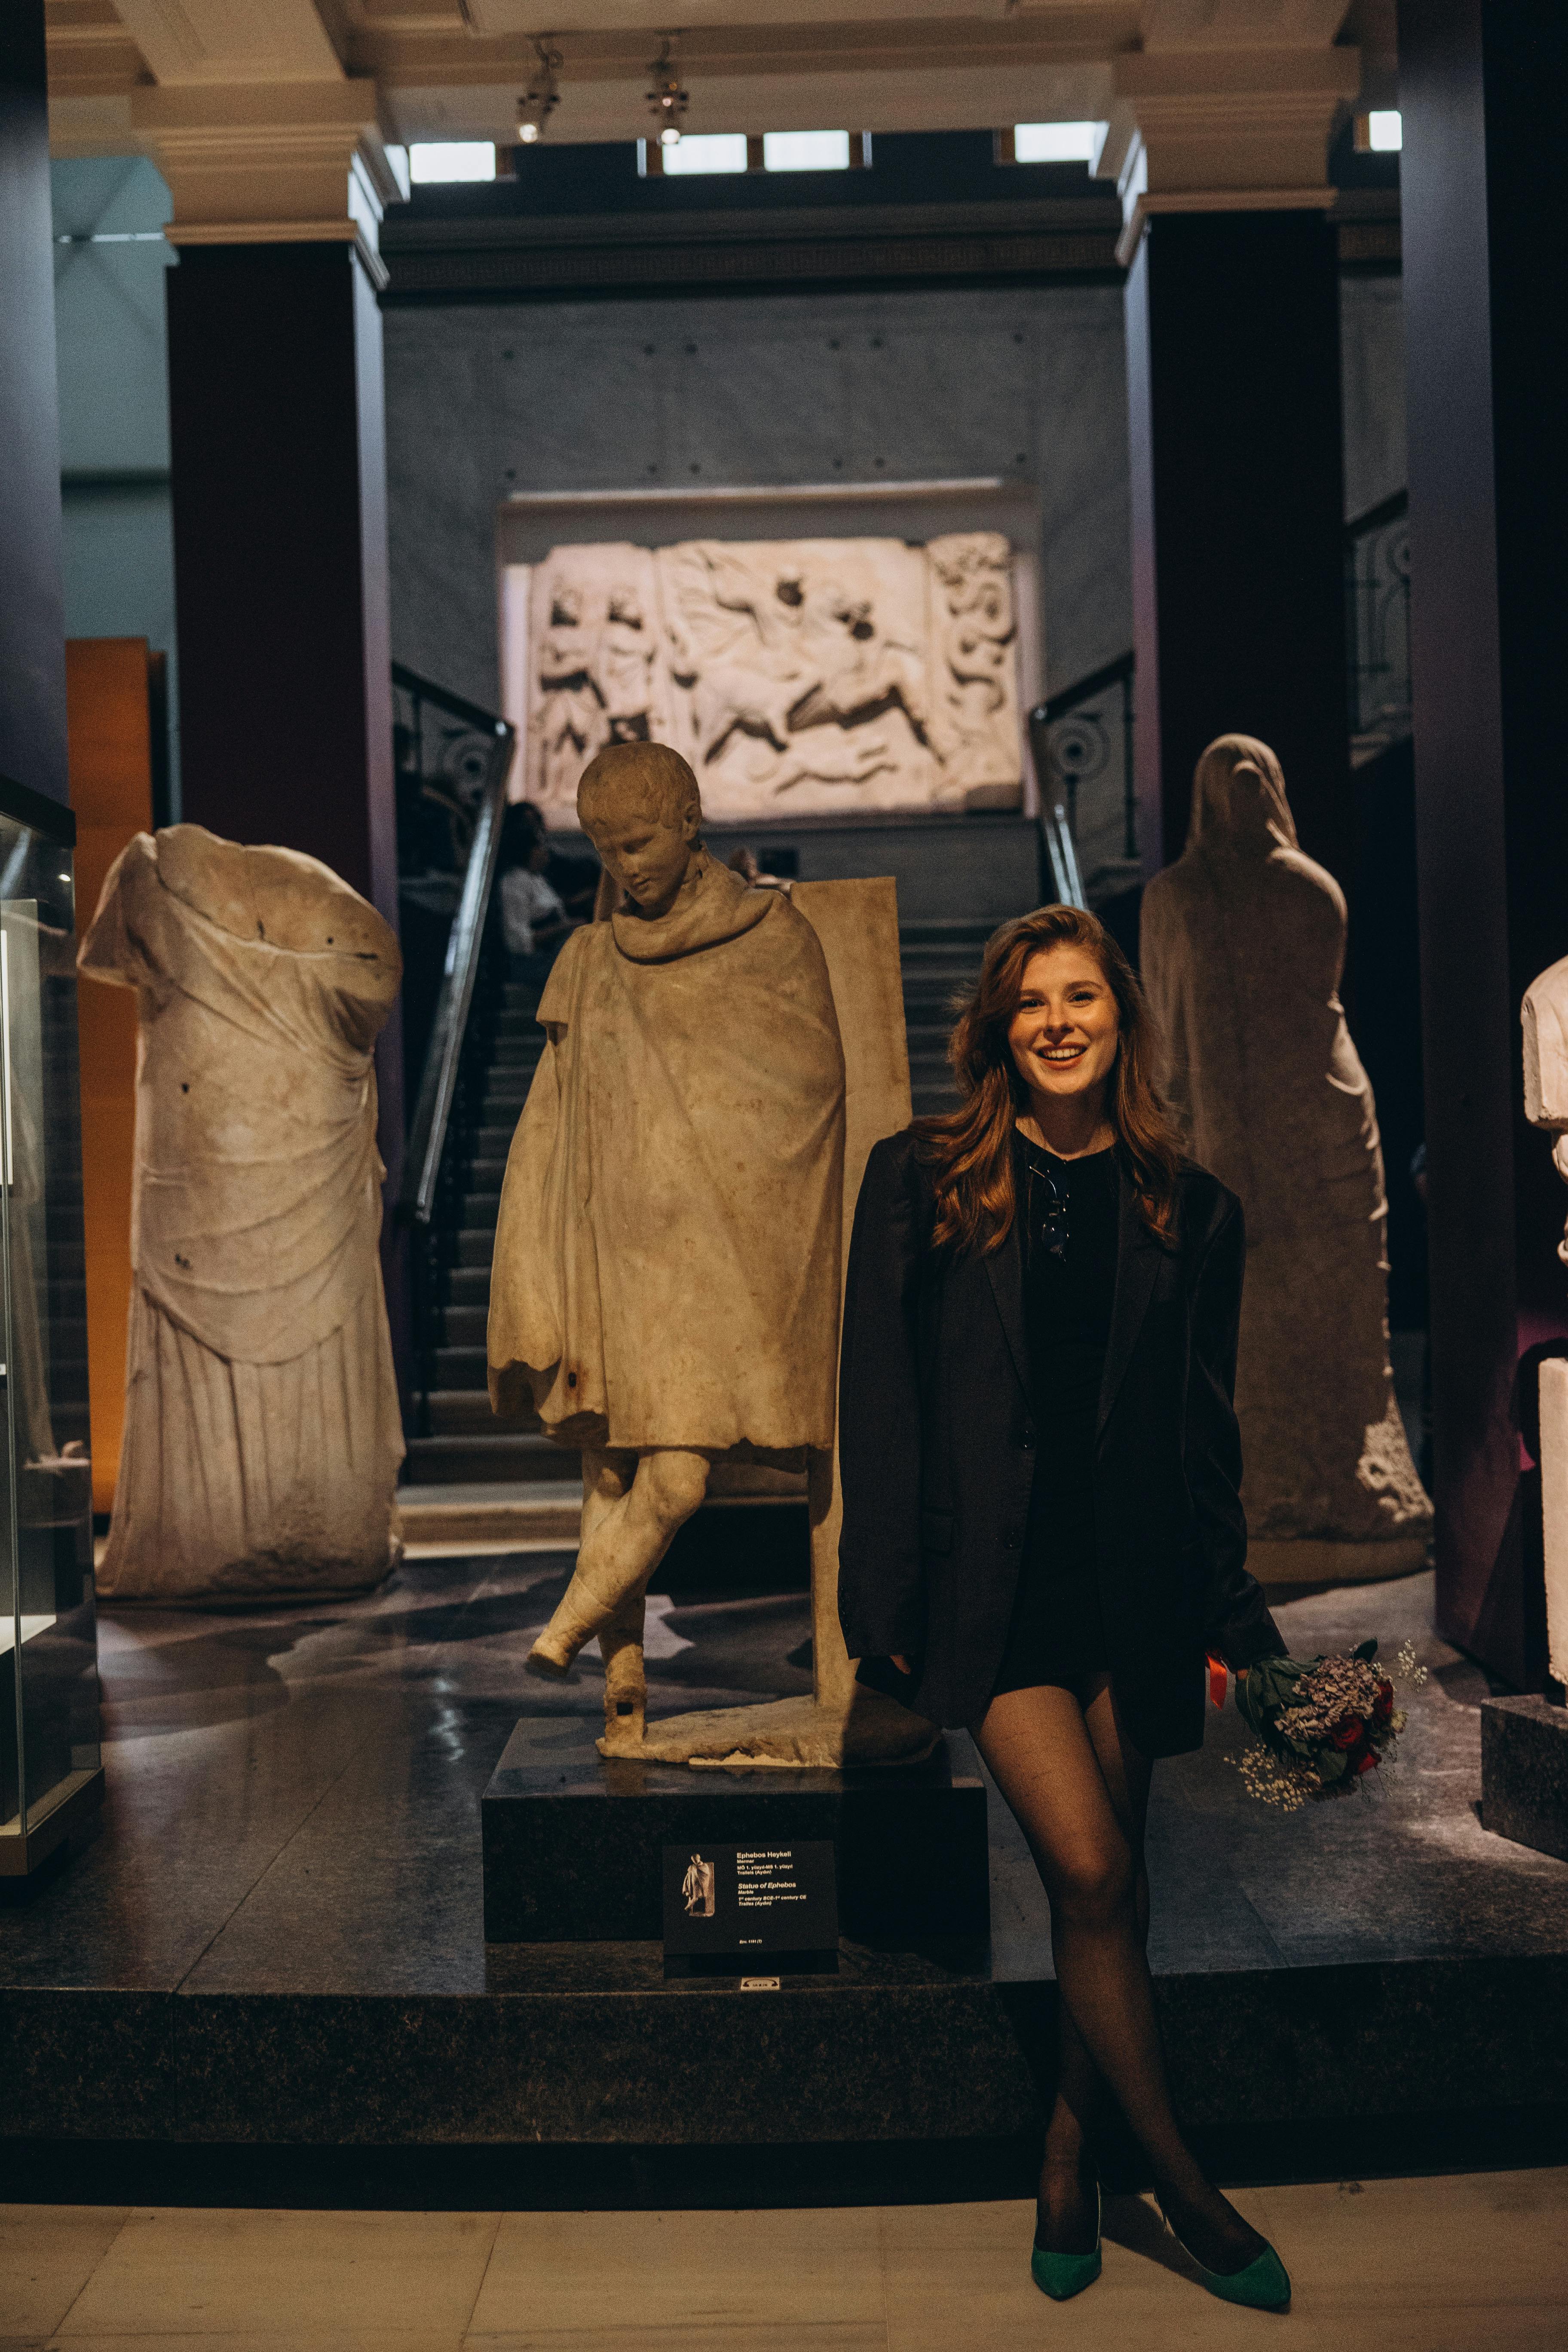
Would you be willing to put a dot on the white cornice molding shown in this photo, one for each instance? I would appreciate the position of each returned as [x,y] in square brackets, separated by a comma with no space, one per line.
[292,162]
[1236,131]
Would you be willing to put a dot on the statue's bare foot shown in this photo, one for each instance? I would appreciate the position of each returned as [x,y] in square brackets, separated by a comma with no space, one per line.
[545,1661]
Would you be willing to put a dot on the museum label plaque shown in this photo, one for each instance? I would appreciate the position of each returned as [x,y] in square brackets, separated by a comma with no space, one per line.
[727,1908]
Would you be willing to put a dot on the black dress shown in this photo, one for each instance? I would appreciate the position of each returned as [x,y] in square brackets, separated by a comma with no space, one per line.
[1057,1634]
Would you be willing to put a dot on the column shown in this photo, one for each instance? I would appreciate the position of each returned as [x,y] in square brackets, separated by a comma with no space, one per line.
[32,599]
[1233,353]
[278,465]
[1486,295]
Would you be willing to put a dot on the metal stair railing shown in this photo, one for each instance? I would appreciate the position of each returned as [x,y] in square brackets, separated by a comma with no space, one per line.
[1067,756]
[421,1189]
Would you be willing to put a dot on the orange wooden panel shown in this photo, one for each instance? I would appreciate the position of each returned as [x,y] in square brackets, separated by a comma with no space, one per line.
[109,716]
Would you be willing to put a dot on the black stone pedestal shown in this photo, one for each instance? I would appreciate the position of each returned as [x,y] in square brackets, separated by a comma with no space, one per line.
[1524,1772]
[573,1842]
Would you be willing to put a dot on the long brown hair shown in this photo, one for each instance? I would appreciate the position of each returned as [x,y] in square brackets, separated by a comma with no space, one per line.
[970,1150]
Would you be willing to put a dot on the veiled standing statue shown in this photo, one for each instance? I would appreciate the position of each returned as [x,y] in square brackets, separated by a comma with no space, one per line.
[666,1288]
[262,1430]
[1243,943]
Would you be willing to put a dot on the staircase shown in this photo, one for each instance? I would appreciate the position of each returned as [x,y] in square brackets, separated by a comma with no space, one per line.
[501,1481]
[940,959]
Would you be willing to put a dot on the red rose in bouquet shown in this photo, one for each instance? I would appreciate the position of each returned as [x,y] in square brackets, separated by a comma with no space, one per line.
[1321,1724]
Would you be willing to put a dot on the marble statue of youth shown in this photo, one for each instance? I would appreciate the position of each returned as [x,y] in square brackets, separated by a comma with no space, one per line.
[666,1282]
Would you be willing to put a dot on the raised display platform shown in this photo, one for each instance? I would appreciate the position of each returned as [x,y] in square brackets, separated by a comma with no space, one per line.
[572,1843]
[276,1935]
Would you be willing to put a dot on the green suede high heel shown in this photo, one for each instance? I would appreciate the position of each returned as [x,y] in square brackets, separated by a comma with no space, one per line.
[1263,2285]
[1063,2275]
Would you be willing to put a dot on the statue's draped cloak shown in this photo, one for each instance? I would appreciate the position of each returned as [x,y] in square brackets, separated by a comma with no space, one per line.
[1242,944]
[262,1433]
[666,1254]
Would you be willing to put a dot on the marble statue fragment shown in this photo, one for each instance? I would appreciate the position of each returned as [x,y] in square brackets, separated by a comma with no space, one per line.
[1545,1018]
[665,1287]
[798,677]
[263,1434]
[1242,946]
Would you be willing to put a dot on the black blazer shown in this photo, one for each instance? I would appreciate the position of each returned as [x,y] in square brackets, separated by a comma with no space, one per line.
[937,1447]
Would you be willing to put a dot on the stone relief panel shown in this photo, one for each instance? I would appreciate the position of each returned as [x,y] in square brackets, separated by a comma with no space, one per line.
[799,677]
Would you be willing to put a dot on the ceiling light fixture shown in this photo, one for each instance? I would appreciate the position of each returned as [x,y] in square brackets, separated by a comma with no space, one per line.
[543,95]
[667,100]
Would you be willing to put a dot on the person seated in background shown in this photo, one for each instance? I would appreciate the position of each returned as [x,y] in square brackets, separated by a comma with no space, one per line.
[535,920]
[743,862]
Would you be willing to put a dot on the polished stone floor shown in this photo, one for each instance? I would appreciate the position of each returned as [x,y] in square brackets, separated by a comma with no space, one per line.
[277,1932]
[1458,2264]
[293,1796]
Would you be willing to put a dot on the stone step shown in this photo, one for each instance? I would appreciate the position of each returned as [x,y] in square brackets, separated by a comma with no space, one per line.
[445,1517]
[503,1095]
[937,931]
[504,1454]
[479,1212]
[484,1173]
[464,1326]
[470,1286]
[461,1366]
[476,1248]
[466,1412]
[494,1143]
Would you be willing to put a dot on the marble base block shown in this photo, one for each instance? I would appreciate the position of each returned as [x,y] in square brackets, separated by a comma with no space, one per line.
[1524,1772]
[573,1842]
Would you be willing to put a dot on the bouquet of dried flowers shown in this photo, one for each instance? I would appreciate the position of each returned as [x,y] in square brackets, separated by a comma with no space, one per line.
[1320,1725]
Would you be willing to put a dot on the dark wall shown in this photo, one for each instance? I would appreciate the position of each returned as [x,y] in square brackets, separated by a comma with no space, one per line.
[276,444]
[1233,328]
[1486,305]
[32,607]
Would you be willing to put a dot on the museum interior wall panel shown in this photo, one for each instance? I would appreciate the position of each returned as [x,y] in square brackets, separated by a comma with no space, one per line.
[1488,309]
[1233,347]
[32,630]
[285,693]
[1372,374]
[112,341]
[112,709]
[1023,384]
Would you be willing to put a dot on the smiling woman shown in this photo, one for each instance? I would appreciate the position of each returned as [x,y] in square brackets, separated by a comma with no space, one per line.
[1042,1525]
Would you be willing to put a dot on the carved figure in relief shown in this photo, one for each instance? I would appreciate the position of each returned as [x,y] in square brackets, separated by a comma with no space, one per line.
[974,632]
[812,675]
[1243,942]
[666,1283]
[262,1428]
[595,677]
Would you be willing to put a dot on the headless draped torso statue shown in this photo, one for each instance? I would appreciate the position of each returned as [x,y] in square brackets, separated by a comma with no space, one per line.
[262,1430]
[1242,945]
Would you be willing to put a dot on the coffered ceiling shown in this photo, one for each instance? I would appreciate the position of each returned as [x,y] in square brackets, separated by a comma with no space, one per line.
[454,68]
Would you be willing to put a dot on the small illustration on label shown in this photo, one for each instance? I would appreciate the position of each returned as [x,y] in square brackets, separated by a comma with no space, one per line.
[696,1888]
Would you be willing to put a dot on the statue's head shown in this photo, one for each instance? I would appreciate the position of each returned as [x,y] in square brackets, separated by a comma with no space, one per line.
[1238,796]
[639,806]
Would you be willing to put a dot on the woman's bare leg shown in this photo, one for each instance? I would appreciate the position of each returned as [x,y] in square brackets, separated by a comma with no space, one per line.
[1048,1762]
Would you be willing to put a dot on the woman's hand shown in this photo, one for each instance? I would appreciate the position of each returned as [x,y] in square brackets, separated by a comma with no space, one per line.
[902,1664]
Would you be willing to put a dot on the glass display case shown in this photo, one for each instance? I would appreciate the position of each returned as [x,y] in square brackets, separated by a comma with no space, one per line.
[50,1770]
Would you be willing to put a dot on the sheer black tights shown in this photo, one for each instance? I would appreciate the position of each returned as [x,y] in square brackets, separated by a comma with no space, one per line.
[1080,1789]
